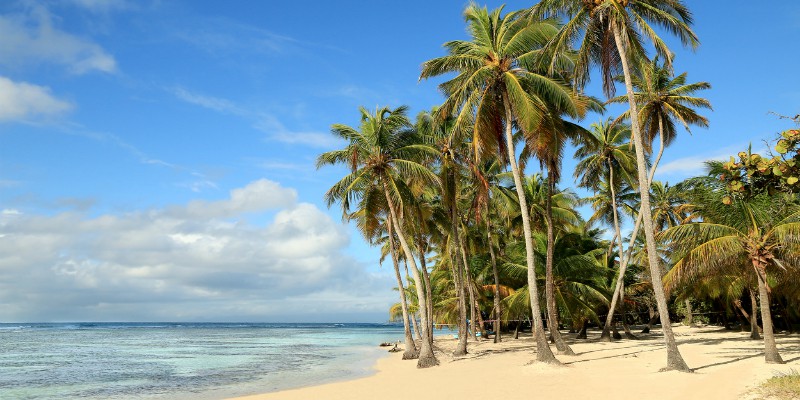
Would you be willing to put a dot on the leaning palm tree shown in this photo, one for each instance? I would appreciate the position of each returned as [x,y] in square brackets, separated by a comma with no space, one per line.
[761,232]
[597,24]
[372,227]
[381,155]
[492,93]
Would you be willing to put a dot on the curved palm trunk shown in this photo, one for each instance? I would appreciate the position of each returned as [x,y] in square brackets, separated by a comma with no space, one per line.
[426,356]
[410,352]
[623,266]
[497,338]
[754,329]
[549,286]
[471,291]
[543,352]
[771,355]
[674,359]
[416,326]
[606,335]
[653,318]
[413,315]
[458,276]
[422,248]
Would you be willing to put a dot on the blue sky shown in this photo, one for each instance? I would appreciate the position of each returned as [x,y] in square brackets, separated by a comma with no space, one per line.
[157,157]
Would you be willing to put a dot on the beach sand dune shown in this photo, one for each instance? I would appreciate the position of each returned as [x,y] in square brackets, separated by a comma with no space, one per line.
[727,365]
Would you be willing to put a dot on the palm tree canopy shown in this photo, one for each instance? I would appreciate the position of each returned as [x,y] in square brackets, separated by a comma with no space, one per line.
[606,145]
[494,66]
[383,152]
[665,99]
[593,22]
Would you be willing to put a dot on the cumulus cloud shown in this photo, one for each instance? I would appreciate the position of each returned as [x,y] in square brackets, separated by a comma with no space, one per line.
[201,261]
[23,101]
[32,38]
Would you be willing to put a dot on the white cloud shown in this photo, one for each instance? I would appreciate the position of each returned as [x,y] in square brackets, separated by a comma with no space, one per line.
[213,103]
[32,39]
[277,131]
[23,101]
[102,6]
[257,196]
[200,261]
[694,165]
[264,122]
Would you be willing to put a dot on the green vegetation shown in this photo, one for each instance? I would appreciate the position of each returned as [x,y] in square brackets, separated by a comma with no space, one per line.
[473,237]
[781,387]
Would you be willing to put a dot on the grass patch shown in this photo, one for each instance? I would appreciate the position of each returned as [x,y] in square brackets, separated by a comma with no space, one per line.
[784,386]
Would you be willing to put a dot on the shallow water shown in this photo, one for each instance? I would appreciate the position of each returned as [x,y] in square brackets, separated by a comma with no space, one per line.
[181,361]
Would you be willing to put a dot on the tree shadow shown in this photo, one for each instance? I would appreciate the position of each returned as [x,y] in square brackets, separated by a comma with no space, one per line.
[727,362]
[658,345]
[634,353]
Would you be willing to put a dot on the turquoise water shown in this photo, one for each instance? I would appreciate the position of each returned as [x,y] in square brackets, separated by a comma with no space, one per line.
[181,361]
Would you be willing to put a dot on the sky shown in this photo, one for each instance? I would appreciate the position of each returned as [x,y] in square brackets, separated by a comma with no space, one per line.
[157,157]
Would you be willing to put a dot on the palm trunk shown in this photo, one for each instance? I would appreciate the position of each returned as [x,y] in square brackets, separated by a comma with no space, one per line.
[582,332]
[653,318]
[458,276]
[674,359]
[689,316]
[471,291]
[426,356]
[771,355]
[410,352]
[549,286]
[754,329]
[426,278]
[606,335]
[497,338]
[623,261]
[479,318]
[461,348]
[543,352]
[416,326]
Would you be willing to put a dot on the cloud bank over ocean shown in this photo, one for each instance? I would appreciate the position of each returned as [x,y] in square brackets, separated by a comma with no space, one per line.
[201,261]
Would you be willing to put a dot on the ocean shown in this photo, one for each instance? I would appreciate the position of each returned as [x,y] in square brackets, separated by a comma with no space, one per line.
[195,361]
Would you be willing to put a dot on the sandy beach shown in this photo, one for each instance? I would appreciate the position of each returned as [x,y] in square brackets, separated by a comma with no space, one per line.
[727,365]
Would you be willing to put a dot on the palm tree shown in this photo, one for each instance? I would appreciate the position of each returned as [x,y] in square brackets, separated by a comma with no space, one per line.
[381,156]
[492,93]
[371,226]
[547,145]
[626,22]
[604,154]
[762,232]
[664,100]
[441,138]
[486,208]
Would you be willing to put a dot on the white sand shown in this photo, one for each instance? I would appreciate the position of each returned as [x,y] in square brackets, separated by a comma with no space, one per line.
[727,365]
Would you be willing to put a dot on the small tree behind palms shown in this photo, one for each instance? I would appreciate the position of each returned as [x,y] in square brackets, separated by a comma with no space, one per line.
[761,232]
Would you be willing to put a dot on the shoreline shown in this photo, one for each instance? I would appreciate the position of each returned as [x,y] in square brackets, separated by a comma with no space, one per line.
[726,364]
